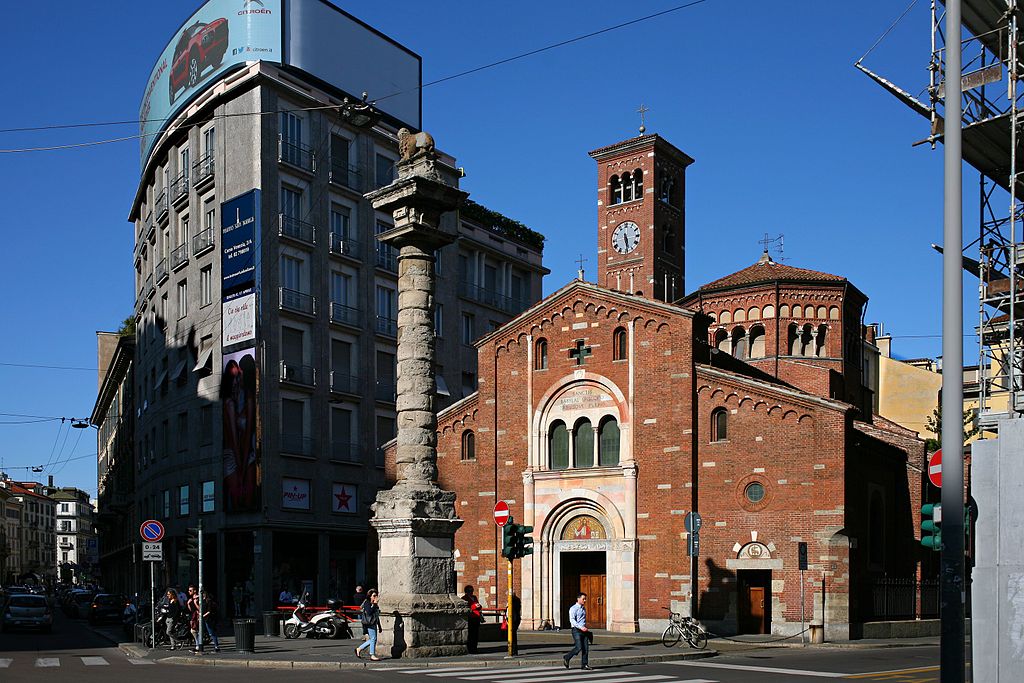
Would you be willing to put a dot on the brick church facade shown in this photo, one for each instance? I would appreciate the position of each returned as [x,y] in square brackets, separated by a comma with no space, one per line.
[608,411]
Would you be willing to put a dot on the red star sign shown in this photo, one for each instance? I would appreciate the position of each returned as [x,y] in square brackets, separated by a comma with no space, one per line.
[343,499]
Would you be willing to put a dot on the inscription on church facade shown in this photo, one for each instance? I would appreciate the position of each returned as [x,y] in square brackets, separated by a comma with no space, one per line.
[584,399]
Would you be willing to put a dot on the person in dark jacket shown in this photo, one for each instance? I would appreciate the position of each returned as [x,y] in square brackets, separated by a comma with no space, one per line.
[475,617]
[369,615]
[170,610]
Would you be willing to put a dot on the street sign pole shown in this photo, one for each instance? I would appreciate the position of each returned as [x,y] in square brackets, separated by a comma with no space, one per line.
[199,638]
[508,610]
[152,603]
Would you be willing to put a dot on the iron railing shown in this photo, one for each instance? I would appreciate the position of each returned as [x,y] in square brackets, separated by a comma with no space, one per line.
[179,256]
[298,374]
[346,175]
[161,271]
[179,187]
[202,242]
[297,444]
[493,298]
[346,246]
[346,451]
[204,169]
[299,302]
[296,154]
[346,315]
[296,229]
[892,598]
[161,207]
[344,383]
[387,258]
[385,391]
[150,287]
[388,326]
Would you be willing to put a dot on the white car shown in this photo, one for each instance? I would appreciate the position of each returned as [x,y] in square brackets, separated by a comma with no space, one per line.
[25,610]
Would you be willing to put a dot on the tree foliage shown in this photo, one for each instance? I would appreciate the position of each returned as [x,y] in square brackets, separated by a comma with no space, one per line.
[127,328]
[934,425]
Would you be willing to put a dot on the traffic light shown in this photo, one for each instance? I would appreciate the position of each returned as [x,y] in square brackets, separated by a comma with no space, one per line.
[931,529]
[508,540]
[192,542]
[524,543]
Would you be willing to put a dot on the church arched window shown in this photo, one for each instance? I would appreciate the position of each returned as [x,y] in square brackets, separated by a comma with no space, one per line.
[627,187]
[583,443]
[540,356]
[620,350]
[722,341]
[806,339]
[615,190]
[719,424]
[667,190]
[668,240]
[792,341]
[608,442]
[757,342]
[468,445]
[819,342]
[558,446]
[739,343]
[638,184]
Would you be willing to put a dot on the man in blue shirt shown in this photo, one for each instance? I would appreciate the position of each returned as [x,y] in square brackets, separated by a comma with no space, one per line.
[580,634]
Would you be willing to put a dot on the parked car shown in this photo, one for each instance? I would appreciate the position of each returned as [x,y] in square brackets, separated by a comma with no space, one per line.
[77,604]
[107,607]
[200,46]
[25,610]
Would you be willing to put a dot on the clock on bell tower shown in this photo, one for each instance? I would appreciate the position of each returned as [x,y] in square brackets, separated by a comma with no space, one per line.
[641,224]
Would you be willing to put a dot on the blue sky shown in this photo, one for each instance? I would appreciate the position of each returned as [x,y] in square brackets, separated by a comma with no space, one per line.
[788,138]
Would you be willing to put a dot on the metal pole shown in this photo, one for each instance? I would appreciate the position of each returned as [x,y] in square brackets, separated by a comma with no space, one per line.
[152,603]
[951,645]
[508,610]
[199,541]
[803,628]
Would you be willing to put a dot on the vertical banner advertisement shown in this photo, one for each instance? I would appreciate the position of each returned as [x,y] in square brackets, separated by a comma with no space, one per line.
[239,391]
[240,248]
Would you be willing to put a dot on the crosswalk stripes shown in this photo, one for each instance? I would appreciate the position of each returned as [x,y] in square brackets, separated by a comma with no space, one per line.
[55,662]
[47,661]
[4,663]
[94,661]
[546,674]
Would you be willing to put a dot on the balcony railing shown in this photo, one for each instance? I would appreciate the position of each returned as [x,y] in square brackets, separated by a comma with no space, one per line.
[492,298]
[344,383]
[161,271]
[179,256]
[297,444]
[346,451]
[346,175]
[161,205]
[204,169]
[179,187]
[386,258]
[297,155]
[296,229]
[345,315]
[385,391]
[151,231]
[346,246]
[203,242]
[150,287]
[298,302]
[298,374]
[388,326]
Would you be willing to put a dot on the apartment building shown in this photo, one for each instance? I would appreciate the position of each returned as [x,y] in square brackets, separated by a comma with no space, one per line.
[77,547]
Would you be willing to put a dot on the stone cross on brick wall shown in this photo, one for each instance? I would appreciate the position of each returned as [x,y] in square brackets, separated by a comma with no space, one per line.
[580,352]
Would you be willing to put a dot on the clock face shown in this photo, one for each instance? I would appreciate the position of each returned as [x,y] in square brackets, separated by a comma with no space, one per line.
[625,237]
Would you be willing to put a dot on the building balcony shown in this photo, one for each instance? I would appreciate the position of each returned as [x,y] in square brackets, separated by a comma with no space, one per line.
[179,188]
[297,302]
[490,297]
[343,383]
[344,315]
[203,170]
[297,155]
[203,242]
[161,271]
[297,444]
[387,326]
[387,258]
[298,374]
[150,289]
[385,391]
[344,246]
[160,206]
[295,229]
[345,451]
[346,175]
[179,257]
[151,232]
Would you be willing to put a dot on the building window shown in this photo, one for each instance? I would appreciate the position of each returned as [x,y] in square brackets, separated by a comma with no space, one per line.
[558,446]
[387,303]
[668,240]
[209,214]
[183,231]
[719,422]
[638,184]
[468,445]
[438,320]
[182,431]
[627,187]
[615,190]
[583,443]
[291,272]
[340,222]
[468,333]
[291,128]
[183,500]
[206,286]
[754,492]
[540,357]
[291,202]
[209,140]
[206,425]
[182,299]
[209,499]
[608,442]
[468,383]
[620,350]
[184,165]
[385,170]
[757,342]
[739,343]
[167,504]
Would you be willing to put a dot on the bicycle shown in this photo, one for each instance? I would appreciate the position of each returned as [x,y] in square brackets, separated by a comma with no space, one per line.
[680,627]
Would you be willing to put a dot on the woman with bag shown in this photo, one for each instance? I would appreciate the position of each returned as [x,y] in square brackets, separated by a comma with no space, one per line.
[369,617]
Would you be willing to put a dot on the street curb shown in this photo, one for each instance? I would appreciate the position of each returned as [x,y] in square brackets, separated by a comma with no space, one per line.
[392,664]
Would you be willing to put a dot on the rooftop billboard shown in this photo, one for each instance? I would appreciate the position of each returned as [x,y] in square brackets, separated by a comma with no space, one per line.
[312,35]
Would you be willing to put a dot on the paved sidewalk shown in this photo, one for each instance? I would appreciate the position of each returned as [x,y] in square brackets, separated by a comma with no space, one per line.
[540,648]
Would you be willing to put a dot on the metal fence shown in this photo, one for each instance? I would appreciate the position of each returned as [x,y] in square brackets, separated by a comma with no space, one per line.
[890,598]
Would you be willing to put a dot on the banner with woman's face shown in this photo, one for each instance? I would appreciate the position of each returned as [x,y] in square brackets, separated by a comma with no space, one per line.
[239,392]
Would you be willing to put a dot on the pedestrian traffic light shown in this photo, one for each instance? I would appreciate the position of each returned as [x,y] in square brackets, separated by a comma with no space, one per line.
[508,539]
[931,529]
[192,542]
[524,543]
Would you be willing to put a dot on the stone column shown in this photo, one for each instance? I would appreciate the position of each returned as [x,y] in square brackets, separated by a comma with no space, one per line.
[416,521]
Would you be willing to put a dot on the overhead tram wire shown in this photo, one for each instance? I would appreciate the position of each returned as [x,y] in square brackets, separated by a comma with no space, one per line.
[444,79]
[47,367]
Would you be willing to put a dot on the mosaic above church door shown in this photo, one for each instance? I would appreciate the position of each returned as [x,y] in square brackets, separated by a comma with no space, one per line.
[583,528]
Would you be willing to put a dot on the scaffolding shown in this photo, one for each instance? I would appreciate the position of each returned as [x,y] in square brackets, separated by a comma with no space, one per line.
[993,59]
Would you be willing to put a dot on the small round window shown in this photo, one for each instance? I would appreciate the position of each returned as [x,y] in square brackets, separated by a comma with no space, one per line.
[754,492]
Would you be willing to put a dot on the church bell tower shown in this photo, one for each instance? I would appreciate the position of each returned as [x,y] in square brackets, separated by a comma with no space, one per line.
[641,218]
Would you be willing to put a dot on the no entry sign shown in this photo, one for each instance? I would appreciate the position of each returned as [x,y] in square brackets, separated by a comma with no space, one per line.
[501,513]
[151,530]
[935,469]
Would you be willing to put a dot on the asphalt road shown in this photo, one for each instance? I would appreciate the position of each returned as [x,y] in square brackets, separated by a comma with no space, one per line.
[75,653]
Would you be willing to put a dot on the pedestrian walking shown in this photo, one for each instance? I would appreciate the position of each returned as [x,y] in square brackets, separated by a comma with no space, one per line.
[209,609]
[517,617]
[170,610]
[580,633]
[236,598]
[369,616]
[475,616]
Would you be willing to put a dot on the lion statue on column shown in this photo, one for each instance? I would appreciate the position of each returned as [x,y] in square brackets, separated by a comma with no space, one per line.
[413,145]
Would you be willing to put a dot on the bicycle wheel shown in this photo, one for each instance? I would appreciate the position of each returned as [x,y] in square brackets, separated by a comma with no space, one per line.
[697,637]
[671,636]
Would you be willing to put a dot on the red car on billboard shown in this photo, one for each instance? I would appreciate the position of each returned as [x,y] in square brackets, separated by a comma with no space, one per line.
[200,46]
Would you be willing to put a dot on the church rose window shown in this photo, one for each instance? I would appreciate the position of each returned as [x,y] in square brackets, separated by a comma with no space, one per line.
[754,492]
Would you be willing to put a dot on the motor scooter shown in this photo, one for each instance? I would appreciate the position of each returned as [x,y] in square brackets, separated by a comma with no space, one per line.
[302,622]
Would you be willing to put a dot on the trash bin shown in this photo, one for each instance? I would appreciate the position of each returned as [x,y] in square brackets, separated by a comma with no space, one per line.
[817,634]
[272,624]
[245,635]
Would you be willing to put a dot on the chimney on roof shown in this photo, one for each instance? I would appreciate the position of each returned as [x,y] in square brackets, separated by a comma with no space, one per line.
[49,481]
[765,258]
